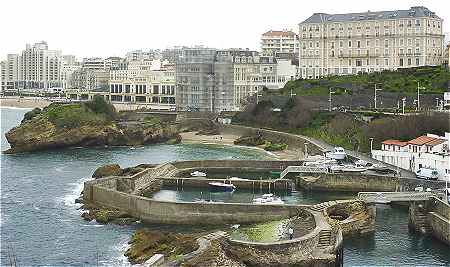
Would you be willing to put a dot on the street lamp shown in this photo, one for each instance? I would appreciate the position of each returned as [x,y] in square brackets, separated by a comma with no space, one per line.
[403,105]
[418,95]
[329,98]
[371,146]
[375,95]
[437,103]
[293,94]
[257,97]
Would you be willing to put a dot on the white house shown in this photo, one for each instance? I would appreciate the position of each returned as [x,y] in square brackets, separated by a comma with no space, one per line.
[428,151]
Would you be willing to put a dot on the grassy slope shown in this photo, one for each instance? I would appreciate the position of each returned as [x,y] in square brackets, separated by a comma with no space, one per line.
[434,79]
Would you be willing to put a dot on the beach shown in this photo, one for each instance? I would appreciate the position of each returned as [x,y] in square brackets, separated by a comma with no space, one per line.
[228,139]
[24,102]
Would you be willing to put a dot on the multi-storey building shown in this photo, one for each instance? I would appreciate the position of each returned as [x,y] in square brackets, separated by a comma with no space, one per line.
[284,41]
[424,152]
[10,73]
[94,63]
[218,80]
[36,68]
[339,44]
[202,82]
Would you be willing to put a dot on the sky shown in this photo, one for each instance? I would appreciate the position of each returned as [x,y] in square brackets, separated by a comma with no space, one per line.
[87,28]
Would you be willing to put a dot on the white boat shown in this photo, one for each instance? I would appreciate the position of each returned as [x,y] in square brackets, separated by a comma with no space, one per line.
[320,162]
[268,199]
[223,187]
[198,174]
[353,168]
[338,153]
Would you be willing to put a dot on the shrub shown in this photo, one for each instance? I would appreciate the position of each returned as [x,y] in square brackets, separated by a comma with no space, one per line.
[73,115]
[151,121]
[269,146]
[31,114]
[100,106]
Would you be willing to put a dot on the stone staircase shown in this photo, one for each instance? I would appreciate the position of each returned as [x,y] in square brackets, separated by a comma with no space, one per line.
[215,235]
[321,206]
[324,239]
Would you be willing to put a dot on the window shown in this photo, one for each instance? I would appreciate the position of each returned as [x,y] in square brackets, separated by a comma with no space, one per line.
[417,61]
[401,62]
[349,43]
[358,63]
[359,44]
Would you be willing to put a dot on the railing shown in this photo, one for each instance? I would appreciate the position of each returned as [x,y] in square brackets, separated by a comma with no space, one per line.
[303,169]
[387,197]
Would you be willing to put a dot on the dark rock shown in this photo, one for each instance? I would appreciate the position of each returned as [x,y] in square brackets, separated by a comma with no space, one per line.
[107,170]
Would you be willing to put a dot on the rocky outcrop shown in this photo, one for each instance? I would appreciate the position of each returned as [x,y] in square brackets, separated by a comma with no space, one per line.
[107,170]
[37,132]
[145,243]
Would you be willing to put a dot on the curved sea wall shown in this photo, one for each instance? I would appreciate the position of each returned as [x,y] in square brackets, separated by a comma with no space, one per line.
[103,192]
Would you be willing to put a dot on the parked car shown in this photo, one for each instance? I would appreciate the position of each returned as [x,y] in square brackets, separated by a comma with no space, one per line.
[427,173]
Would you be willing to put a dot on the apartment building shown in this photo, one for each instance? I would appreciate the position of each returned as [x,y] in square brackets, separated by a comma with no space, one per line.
[424,152]
[35,68]
[340,44]
[284,41]
[222,80]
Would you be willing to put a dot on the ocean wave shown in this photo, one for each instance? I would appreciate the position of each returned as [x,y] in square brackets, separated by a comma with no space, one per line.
[69,198]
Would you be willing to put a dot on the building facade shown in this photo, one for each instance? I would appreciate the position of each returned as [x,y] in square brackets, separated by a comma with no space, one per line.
[36,68]
[429,152]
[340,44]
[284,41]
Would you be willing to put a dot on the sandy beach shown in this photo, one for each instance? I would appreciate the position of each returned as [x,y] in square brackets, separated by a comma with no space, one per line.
[228,139]
[25,102]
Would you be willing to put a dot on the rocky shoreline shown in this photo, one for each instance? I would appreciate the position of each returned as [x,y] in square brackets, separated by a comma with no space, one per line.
[75,125]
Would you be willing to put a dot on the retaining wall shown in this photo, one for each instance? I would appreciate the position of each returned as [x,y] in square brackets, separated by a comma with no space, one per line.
[361,182]
[292,140]
[439,219]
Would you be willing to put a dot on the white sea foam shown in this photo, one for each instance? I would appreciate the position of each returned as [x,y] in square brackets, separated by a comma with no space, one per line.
[74,193]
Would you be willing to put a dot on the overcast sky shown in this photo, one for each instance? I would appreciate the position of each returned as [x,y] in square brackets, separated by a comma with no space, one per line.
[111,28]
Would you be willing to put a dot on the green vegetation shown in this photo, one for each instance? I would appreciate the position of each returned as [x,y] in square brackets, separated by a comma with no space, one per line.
[31,114]
[269,146]
[262,232]
[95,112]
[340,129]
[151,121]
[433,79]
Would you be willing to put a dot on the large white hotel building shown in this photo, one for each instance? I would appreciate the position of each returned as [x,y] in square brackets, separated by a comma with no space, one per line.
[339,44]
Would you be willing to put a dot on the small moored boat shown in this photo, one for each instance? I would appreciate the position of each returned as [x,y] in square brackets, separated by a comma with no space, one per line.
[338,153]
[218,186]
[268,199]
[353,168]
[198,174]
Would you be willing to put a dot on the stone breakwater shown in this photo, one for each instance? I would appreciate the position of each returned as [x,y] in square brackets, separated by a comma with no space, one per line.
[321,246]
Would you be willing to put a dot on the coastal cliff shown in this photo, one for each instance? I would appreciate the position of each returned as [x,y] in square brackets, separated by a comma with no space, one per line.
[92,123]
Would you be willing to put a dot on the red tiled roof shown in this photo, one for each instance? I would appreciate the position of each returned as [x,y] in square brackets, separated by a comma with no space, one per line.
[436,142]
[278,33]
[394,142]
[422,140]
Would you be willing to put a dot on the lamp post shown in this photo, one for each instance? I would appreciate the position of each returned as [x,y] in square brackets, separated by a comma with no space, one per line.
[403,105]
[257,97]
[375,95]
[418,95]
[437,103]
[371,146]
[329,98]
[293,94]
[306,150]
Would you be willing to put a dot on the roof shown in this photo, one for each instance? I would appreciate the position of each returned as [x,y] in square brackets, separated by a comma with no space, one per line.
[413,12]
[394,142]
[279,33]
[426,140]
